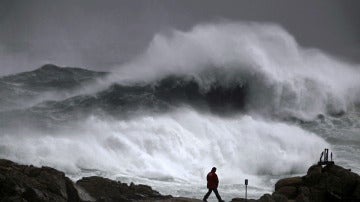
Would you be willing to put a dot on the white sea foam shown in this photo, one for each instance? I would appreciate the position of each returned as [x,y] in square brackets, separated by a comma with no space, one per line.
[178,147]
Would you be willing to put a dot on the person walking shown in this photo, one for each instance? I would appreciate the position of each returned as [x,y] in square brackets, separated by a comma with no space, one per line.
[212,185]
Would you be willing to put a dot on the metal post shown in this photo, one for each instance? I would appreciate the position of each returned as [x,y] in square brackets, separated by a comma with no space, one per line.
[326,155]
[246,183]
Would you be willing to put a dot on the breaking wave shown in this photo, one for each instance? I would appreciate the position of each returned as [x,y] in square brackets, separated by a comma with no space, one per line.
[283,78]
[243,97]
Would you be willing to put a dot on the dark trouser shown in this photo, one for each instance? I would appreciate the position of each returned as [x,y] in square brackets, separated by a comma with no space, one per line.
[209,192]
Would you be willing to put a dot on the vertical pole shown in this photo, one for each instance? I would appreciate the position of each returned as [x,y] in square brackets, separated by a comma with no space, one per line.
[246,183]
[327,154]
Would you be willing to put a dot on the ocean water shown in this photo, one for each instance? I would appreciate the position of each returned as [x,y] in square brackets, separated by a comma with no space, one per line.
[244,97]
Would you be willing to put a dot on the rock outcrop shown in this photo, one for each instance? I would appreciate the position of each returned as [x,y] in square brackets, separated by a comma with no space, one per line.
[106,190]
[331,183]
[22,183]
[29,183]
[32,184]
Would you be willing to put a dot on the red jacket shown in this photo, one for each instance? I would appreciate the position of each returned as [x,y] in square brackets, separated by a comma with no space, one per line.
[212,180]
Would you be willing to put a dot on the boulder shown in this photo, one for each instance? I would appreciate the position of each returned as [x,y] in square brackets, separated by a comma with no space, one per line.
[266,198]
[314,169]
[341,181]
[331,183]
[106,190]
[292,181]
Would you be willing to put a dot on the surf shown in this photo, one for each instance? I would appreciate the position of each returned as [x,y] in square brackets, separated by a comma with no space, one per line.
[242,96]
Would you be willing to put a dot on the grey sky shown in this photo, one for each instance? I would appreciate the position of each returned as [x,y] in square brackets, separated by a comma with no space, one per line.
[100,34]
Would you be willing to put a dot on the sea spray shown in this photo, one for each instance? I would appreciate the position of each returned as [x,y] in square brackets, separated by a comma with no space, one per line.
[131,127]
[181,145]
[285,79]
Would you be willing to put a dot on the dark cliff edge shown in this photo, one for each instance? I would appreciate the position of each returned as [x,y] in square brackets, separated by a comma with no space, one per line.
[28,183]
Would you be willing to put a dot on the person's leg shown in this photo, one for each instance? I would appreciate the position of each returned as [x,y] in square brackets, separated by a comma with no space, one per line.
[207,195]
[217,195]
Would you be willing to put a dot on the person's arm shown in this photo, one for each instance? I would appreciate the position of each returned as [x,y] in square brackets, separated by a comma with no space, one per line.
[216,180]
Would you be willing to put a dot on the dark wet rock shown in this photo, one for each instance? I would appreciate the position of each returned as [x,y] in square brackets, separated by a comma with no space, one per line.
[293,181]
[24,183]
[331,183]
[302,198]
[314,169]
[279,197]
[28,183]
[289,191]
[356,193]
[106,190]
[21,183]
[266,198]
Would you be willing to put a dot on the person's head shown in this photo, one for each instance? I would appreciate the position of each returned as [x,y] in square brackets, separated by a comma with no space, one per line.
[213,169]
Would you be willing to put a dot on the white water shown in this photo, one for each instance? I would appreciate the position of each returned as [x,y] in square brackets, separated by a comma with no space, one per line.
[285,79]
[178,147]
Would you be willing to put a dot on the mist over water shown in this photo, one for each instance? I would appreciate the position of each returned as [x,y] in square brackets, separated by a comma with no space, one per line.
[243,97]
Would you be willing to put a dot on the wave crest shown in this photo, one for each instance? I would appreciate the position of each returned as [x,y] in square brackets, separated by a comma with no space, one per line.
[284,78]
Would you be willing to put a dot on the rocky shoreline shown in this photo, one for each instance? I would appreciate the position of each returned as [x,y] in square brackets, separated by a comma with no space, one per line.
[329,183]
[28,183]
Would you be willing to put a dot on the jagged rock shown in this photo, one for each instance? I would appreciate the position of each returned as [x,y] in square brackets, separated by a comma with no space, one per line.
[21,183]
[106,190]
[28,183]
[330,183]
[289,187]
